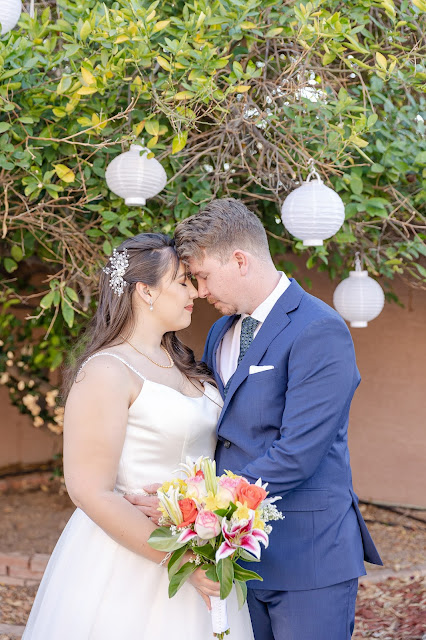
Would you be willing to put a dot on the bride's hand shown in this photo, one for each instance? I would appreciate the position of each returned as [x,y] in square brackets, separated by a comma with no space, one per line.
[204,586]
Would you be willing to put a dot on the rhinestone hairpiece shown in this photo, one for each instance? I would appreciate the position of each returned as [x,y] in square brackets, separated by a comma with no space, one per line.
[119,262]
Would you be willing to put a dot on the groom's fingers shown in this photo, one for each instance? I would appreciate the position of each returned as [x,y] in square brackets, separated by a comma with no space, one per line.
[152,488]
[147,504]
[206,599]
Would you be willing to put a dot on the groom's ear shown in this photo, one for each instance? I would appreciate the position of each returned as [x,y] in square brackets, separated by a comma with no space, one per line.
[241,259]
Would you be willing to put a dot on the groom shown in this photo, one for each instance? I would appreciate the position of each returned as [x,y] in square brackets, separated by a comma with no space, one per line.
[285,365]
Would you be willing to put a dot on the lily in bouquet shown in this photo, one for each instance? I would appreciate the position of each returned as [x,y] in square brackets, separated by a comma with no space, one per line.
[221,520]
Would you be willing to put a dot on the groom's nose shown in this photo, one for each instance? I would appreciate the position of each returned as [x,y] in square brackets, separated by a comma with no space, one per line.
[203,292]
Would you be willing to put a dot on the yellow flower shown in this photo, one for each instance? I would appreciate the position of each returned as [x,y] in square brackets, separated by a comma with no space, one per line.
[215,502]
[258,522]
[242,512]
[230,474]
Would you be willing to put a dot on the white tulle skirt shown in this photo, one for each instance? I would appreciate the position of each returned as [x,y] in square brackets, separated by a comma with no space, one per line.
[95,589]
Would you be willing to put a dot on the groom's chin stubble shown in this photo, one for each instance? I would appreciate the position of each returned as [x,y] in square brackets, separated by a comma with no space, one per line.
[222,307]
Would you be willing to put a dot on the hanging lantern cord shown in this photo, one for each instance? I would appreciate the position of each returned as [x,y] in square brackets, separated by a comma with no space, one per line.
[313,173]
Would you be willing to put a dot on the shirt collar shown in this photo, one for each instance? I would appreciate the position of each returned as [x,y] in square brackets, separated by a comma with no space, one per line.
[265,307]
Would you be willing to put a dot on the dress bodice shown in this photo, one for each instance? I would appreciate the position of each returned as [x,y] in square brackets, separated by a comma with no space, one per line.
[164,428]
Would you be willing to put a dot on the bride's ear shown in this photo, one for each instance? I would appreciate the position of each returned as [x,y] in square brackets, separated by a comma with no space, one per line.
[143,292]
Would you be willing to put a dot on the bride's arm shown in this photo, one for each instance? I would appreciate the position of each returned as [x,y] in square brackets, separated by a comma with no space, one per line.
[95,422]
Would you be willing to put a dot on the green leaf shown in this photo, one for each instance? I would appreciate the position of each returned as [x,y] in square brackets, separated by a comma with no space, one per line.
[4,126]
[211,573]
[47,300]
[246,556]
[272,33]
[421,270]
[85,30]
[241,591]
[377,168]
[245,574]
[356,184]
[72,295]
[162,539]
[10,265]
[328,58]
[206,551]
[420,158]
[180,577]
[372,119]
[67,313]
[179,142]
[107,247]
[64,173]
[225,573]
[173,564]
[16,253]
[152,127]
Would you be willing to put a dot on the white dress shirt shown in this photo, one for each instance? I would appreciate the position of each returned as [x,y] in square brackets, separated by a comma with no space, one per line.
[229,348]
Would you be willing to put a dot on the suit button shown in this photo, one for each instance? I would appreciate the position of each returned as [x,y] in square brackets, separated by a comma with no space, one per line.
[226,444]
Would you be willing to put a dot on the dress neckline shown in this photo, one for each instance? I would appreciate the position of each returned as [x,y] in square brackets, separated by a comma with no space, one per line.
[166,386]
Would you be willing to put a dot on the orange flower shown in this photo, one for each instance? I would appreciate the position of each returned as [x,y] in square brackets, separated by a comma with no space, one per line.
[250,494]
[189,512]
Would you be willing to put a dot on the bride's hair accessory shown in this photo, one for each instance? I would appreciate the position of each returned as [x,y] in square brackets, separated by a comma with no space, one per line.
[119,262]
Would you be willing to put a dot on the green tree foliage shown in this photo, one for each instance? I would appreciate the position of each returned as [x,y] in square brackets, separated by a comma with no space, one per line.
[234,98]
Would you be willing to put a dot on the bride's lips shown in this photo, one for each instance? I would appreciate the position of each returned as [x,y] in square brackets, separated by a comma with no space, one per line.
[190,308]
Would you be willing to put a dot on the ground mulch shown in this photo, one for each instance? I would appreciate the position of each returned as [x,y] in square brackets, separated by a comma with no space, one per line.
[389,609]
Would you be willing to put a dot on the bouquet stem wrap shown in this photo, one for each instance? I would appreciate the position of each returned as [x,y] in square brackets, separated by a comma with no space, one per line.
[219,615]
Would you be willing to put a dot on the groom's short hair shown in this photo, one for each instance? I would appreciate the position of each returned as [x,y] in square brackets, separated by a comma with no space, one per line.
[221,227]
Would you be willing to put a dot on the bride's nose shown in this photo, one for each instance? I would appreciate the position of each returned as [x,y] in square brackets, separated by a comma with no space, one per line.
[193,293]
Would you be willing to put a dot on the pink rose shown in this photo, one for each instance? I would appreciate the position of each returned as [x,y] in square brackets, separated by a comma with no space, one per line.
[207,525]
[228,488]
[196,487]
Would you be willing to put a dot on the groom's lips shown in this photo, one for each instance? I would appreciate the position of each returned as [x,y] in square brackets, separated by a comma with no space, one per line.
[190,308]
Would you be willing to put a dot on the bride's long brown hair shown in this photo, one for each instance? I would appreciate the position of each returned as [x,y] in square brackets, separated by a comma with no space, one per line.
[150,257]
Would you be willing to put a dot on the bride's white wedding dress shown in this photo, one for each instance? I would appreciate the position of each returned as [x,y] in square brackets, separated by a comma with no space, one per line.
[96,589]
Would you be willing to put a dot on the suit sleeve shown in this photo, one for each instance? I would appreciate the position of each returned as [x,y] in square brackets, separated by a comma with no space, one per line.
[322,378]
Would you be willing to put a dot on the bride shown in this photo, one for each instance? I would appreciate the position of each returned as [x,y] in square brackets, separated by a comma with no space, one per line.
[138,404]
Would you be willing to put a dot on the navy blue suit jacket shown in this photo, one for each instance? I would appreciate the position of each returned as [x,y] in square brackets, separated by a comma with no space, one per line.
[288,425]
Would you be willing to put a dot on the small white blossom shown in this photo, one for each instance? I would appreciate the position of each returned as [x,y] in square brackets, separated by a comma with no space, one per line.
[226,166]
[260,64]
[268,100]
[208,168]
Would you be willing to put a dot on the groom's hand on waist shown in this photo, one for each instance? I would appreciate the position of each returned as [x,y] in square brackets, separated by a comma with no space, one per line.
[148,503]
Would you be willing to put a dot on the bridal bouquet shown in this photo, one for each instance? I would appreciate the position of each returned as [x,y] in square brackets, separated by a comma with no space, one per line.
[221,520]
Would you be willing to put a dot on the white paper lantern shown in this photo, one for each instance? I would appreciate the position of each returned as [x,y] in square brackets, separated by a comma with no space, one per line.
[134,177]
[10,11]
[358,298]
[313,212]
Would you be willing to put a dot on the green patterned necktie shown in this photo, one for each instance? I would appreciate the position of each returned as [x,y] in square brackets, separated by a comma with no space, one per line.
[248,327]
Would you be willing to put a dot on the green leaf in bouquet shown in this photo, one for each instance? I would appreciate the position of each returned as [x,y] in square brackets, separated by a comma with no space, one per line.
[246,556]
[225,573]
[162,539]
[226,513]
[211,572]
[244,574]
[180,576]
[241,590]
[206,551]
[173,565]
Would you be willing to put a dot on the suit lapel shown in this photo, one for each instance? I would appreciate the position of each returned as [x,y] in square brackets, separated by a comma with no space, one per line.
[276,321]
